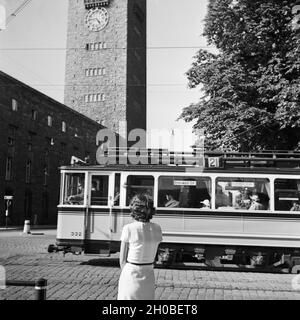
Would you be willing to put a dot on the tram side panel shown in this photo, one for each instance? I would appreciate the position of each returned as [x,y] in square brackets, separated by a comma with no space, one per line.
[71,228]
[272,230]
[104,230]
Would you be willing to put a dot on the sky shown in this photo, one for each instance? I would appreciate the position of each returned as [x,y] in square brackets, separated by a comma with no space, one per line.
[174,34]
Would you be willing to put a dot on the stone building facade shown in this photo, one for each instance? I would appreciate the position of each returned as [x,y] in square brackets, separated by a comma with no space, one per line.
[37,136]
[106,61]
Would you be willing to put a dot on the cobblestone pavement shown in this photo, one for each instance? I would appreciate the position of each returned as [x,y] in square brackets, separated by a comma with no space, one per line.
[87,277]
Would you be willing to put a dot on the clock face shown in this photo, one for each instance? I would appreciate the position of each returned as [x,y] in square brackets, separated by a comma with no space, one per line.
[96,19]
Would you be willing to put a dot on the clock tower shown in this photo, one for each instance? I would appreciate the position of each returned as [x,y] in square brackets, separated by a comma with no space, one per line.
[106,61]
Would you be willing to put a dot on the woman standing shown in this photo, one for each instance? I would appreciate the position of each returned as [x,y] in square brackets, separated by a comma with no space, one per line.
[139,243]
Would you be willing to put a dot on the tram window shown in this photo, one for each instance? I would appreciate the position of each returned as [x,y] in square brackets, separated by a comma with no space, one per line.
[243,193]
[74,189]
[99,191]
[184,192]
[139,184]
[287,194]
[117,189]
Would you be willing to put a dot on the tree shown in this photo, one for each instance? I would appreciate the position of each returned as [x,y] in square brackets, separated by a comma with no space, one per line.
[251,87]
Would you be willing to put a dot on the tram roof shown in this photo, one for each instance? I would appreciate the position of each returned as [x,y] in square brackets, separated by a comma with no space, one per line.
[162,160]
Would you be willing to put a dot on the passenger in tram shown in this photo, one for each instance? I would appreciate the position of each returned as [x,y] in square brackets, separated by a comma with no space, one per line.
[205,204]
[295,207]
[243,199]
[256,203]
[171,202]
[222,200]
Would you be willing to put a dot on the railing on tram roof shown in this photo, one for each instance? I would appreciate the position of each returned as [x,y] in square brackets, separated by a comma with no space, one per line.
[199,157]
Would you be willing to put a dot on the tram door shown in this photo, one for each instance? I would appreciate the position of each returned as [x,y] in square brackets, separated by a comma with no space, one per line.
[99,211]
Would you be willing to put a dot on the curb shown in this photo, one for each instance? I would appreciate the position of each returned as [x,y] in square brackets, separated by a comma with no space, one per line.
[19,228]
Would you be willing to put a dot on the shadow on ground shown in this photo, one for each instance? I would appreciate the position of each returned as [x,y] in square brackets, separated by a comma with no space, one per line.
[101,262]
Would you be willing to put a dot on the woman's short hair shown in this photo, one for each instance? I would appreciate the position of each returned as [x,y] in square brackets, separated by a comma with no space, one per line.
[141,207]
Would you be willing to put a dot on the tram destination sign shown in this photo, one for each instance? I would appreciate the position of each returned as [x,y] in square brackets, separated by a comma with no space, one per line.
[184,183]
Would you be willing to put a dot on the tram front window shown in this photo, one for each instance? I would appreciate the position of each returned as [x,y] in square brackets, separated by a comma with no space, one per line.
[242,193]
[74,189]
[99,190]
[184,192]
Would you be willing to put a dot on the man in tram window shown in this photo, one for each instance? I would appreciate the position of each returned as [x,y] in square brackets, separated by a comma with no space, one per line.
[171,202]
[296,206]
[77,198]
[256,203]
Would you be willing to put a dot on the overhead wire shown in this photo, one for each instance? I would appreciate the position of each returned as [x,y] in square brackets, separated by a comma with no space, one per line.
[17,11]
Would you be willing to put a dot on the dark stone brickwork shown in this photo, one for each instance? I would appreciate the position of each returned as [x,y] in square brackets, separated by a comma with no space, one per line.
[124,59]
[24,139]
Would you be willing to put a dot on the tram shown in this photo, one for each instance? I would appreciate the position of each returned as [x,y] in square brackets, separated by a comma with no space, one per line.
[216,209]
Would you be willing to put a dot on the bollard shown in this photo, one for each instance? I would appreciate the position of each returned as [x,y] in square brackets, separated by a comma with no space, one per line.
[40,289]
[39,285]
[26,226]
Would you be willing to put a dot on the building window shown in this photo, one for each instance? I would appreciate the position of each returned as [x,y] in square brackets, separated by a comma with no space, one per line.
[137,31]
[63,126]
[12,133]
[31,135]
[137,55]
[63,147]
[97,97]
[10,141]
[93,72]
[139,13]
[49,121]
[14,105]
[136,79]
[95,46]
[28,172]
[46,173]
[33,114]
[8,169]
[12,130]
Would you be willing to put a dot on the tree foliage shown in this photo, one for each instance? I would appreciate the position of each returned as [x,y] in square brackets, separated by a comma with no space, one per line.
[251,87]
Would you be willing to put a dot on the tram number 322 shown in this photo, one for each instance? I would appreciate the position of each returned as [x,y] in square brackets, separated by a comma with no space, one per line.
[75,234]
